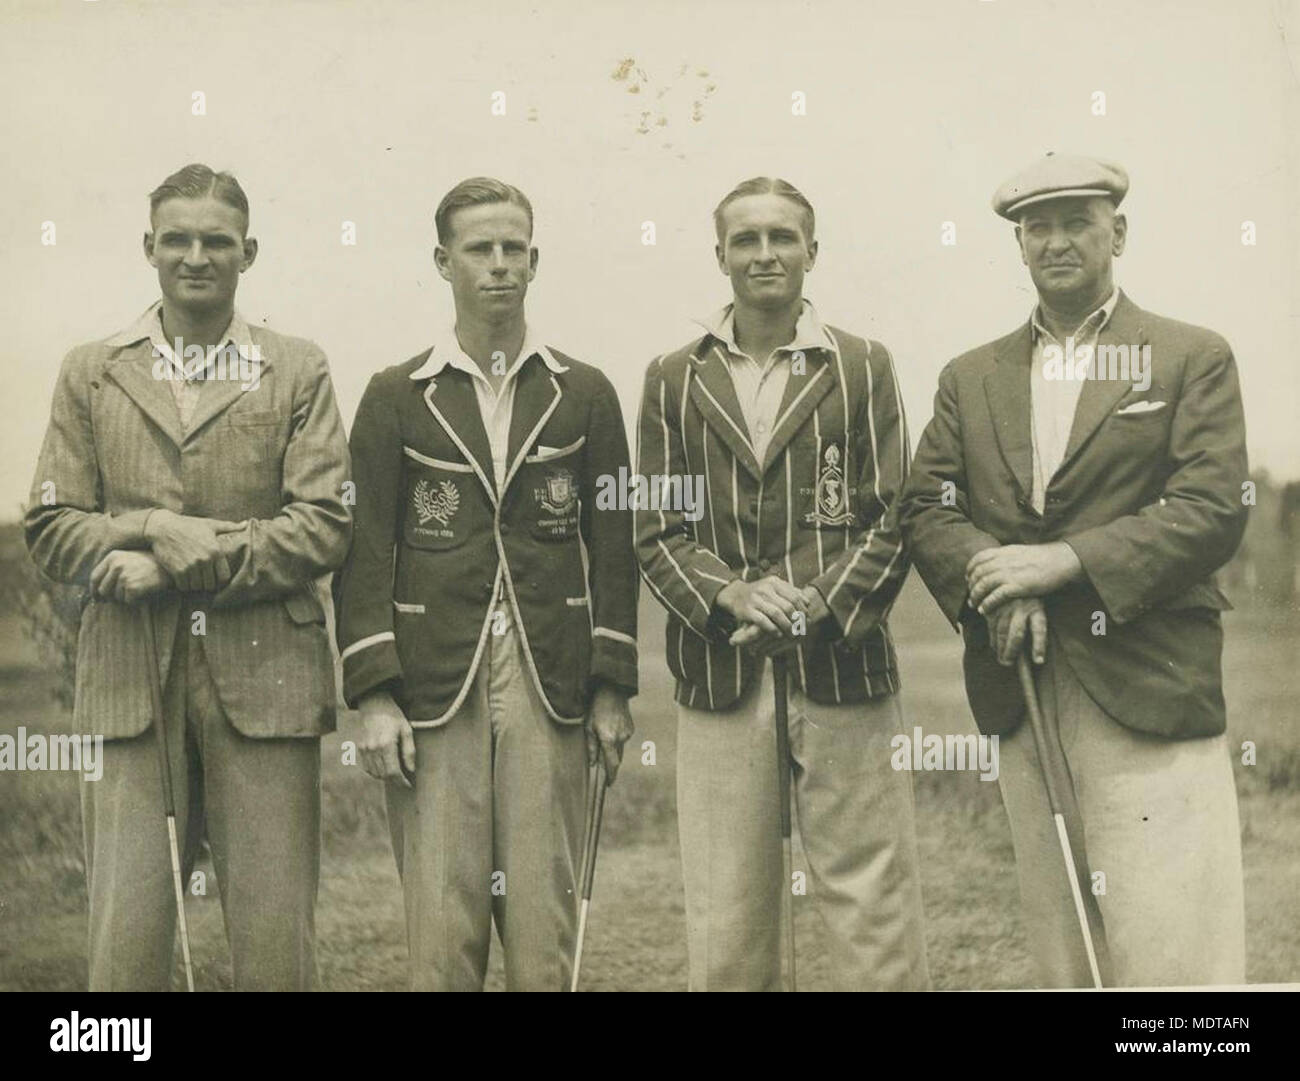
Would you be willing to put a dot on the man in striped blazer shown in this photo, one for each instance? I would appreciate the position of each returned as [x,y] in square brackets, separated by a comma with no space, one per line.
[793,433]
[197,464]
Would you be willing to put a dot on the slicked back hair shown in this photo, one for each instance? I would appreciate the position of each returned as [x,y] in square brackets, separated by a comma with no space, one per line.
[766,185]
[477,191]
[198,181]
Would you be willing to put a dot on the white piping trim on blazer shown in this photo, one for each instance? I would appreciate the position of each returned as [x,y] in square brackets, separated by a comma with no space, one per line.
[366,643]
[545,454]
[437,463]
[617,636]
[460,444]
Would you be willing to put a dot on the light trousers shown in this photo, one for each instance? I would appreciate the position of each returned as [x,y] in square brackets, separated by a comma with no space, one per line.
[855,818]
[492,829]
[1159,821]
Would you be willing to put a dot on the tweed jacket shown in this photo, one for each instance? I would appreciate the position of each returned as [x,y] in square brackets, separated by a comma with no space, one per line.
[273,456]
[1149,496]
[818,509]
[436,544]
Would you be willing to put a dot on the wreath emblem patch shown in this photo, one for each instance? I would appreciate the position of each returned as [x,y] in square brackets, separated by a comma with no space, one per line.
[440,505]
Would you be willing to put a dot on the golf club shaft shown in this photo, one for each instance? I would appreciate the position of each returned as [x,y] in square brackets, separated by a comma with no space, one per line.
[595,812]
[782,703]
[165,772]
[1054,802]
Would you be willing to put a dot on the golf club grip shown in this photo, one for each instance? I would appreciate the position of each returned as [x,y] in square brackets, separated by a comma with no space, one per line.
[1039,729]
[780,689]
[156,703]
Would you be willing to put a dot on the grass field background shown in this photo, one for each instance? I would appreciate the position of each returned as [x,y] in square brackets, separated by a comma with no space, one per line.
[636,937]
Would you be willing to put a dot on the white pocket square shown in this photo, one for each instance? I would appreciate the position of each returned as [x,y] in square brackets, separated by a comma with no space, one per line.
[1144,406]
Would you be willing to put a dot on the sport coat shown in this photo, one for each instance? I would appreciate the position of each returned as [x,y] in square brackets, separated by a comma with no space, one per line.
[435,543]
[819,509]
[1149,496]
[273,456]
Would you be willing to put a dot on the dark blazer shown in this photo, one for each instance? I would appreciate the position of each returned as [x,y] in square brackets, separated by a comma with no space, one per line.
[1149,499]
[274,455]
[414,599]
[763,518]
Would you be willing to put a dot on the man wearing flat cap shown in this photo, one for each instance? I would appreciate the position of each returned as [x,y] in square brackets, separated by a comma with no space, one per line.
[1078,486]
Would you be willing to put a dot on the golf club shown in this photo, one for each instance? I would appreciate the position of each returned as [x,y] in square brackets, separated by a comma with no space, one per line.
[595,812]
[169,803]
[779,684]
[1041,745]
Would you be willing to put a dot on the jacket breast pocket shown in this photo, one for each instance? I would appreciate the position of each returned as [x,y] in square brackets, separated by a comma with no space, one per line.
[439,502]
[551,490]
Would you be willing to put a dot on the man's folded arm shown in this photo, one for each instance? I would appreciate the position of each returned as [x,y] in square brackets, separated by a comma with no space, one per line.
[863,581]
[309,537]
[607,532]
[934,513]
[363,589]
[66,528]
[1139,560]
[685,576]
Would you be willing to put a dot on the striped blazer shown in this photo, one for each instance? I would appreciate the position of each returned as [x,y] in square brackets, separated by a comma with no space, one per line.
[818,509]
[273,456]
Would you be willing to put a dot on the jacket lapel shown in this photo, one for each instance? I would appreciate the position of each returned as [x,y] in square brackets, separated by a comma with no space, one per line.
[454,405]
[133,372]
[537,394]
[714,396]
[1098,397]
[803,393]
[1007,389]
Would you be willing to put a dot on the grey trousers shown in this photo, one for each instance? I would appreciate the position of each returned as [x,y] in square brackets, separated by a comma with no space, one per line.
[259,800]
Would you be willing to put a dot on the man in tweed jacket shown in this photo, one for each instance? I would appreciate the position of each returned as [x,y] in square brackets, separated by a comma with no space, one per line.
[197,464]
[794,433]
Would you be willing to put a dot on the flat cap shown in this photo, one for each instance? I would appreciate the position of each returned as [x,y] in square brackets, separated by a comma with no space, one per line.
[1055,176]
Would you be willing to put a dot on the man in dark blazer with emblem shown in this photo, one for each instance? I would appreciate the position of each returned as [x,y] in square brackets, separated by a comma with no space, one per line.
[1078,486]
[794,433]
[487,612]
[197,464]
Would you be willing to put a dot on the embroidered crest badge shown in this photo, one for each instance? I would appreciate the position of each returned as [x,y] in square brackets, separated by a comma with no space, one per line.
[560,495]
[440,505]
[831,494]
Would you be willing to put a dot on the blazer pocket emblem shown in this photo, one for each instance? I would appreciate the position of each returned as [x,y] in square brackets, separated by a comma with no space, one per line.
[831,493]
[1140,408]
[557,505]
[438,505]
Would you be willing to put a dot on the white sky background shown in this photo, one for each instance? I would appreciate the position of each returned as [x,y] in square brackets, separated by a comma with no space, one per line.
[331,111]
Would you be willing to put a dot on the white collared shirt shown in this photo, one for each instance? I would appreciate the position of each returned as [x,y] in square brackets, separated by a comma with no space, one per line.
[1053,402]
[496,407]
[760,388]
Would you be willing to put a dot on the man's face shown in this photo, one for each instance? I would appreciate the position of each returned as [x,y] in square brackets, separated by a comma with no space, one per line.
[765,250]
[199,249]
[489,260]
[1068,245]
